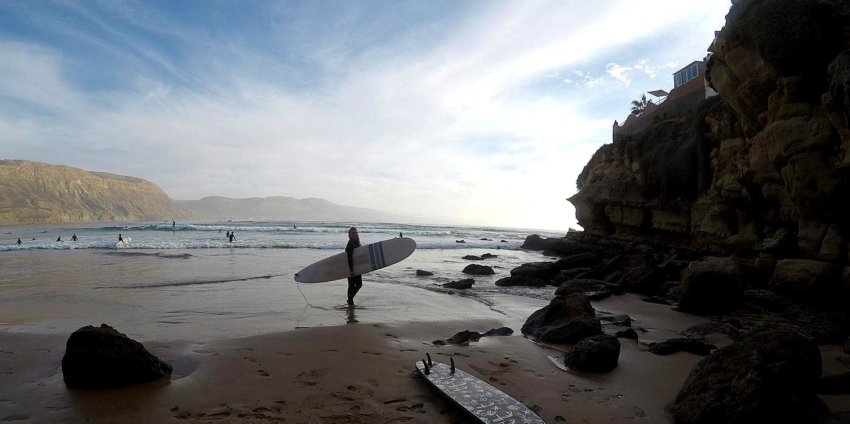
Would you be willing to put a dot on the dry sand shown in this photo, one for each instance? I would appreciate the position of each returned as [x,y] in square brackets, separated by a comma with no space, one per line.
[356,373]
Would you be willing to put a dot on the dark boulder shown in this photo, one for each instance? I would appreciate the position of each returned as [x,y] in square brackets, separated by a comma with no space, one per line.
[421,273]
[466,336]
[621,320]
[101,357]
[581,260]
[593,289]
[566,319]
[541,270]
[712,285]
[474,269]
[472,258]
[521,281]
[594,354]
[764,377]
[620,332]
[682,344]
[488,256]
[501,331]
[460,284]
[806,279]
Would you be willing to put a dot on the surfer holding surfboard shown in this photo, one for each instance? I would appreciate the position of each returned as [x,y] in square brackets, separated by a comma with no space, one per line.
[355,281]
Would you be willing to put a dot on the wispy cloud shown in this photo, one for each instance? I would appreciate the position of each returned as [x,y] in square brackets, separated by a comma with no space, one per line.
[483,112]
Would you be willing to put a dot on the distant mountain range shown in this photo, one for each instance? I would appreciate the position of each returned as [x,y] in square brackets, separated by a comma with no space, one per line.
[40,193]
[278,208]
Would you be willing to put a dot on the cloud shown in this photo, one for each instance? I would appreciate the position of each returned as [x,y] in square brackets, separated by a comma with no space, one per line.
[441,111]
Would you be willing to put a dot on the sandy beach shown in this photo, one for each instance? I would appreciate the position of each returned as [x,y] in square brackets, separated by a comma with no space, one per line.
[358,373]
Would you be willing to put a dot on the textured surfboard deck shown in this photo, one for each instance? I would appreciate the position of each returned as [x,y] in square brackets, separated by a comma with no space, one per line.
[485,402]
[366,258]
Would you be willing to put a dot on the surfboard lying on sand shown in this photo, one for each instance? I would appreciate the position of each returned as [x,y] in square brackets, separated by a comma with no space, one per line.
[366,259]
[483,401]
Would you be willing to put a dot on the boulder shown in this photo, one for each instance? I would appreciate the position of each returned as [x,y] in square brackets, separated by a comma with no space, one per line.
[474,269]
[472,258]
[460,284]
[521,281]
[593,289]
[488,256]
[805,278]
[501,331]
[566,319]
[620,332]
[541,270]
[580,260]
[421,273]
[835,384]
[594,354]
[466,336]
[711,285]
[101,357]
[763,377]
[679,344]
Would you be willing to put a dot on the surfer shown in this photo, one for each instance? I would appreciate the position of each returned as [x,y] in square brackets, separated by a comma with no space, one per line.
[120,239]
[74,237]
[231,236]
[59,238]
[19,241]
[354,281]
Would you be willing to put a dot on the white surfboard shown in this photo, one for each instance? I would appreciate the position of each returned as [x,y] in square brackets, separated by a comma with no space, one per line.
[122,243]
[366,259]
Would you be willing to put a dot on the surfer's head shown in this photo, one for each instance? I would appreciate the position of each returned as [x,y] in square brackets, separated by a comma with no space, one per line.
[353,234]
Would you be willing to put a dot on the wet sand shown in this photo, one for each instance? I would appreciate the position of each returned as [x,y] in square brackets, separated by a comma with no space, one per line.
[356,373]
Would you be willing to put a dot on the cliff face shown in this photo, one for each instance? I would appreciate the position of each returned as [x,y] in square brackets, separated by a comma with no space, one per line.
[38,193]
[765,165]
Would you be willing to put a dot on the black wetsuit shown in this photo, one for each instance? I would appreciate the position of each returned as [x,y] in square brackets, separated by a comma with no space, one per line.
[355,282]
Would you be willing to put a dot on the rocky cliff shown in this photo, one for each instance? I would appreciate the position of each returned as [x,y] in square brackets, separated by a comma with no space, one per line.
[764,166]
[39,193]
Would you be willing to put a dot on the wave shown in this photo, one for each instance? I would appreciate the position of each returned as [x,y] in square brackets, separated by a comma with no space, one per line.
[196,282]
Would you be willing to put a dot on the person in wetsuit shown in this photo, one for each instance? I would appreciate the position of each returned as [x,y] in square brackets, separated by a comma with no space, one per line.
[354,281]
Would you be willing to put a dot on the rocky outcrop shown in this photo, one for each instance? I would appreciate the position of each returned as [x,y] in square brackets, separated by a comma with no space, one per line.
[460,284]
[768,156]
[466,336]
[594,354]
[101,357]
[474,269]
[566,319]
[763,377]
[39,193]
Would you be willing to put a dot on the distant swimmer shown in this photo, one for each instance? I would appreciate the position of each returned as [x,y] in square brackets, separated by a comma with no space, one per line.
[19,241]
[59,238]
[400,235]
[173,224]
[120,239]
[231,237]
[74,237]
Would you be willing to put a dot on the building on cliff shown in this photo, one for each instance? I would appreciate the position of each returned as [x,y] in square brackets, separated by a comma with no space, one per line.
[689,89]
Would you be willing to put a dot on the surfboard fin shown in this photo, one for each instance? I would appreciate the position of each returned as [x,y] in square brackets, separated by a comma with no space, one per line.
[427,369]
[452,360]
[430,364]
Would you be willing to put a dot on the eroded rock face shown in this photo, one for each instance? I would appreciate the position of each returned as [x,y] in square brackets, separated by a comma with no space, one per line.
[767,157]
[766,376]
[101,357]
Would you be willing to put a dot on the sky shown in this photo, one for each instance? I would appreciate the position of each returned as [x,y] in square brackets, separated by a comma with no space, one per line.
[465,112]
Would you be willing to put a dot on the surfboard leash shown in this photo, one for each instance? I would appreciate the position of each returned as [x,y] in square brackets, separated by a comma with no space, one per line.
[298,285]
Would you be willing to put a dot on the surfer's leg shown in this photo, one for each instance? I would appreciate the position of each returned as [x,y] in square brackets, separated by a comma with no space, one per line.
[354,284]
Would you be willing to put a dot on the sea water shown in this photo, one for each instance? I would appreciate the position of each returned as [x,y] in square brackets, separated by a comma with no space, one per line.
[189,281]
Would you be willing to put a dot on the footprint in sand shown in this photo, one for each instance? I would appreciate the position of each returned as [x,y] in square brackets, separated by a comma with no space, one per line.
[408,350]
[263,373]
[418,408]
[371,353]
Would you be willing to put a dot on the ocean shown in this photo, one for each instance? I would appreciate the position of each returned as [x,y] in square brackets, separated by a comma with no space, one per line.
[188,281]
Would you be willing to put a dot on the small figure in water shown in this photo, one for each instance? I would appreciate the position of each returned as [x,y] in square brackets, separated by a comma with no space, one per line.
[120,239]
[400,235]
[19,241]
[231,237]
[59,238]
[173,224]
[74,237]
[355,282]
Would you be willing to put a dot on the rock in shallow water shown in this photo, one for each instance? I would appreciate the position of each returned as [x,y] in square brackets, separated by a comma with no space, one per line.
[478,270]
[460,284]
[101,357]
